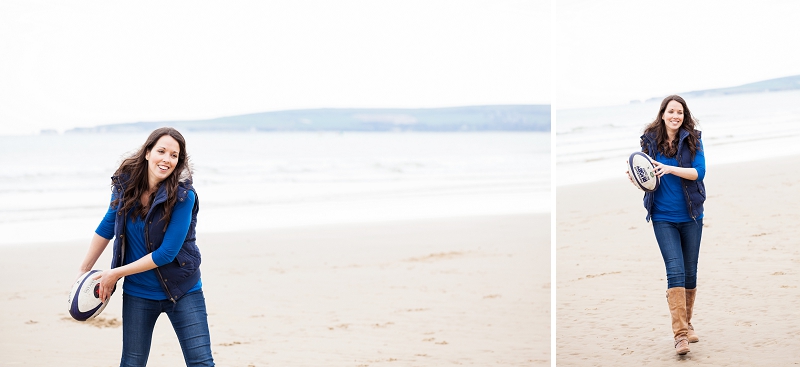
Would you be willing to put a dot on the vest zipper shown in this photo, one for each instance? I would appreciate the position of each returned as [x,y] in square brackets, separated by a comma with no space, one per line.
[150,250]
[688,202]
[683,183]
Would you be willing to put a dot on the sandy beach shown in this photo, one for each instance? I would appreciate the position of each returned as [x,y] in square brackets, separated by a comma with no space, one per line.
[458,291]
[611,306]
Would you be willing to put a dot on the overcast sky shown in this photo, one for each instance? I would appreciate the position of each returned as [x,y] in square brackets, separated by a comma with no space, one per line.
[612,52]
[84,63]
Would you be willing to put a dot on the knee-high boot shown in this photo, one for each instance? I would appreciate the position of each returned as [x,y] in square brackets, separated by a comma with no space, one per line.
[676,298]
[690,294]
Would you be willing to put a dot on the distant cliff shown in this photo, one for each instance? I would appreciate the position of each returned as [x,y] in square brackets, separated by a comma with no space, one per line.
[771,85]
[470,118]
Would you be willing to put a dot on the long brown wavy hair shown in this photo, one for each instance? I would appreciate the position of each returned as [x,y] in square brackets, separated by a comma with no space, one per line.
[135,168]
[665,147]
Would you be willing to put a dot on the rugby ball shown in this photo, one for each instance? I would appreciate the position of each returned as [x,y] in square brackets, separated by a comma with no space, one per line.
[642,172]
[84,300]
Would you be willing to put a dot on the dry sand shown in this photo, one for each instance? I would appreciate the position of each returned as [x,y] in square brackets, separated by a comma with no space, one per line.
[611,305]
[471,291]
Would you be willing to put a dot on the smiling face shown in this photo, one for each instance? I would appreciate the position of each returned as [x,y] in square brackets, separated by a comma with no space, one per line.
[673,117]
[162,159]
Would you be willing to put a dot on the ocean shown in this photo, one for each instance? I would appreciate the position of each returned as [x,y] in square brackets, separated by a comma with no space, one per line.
[592,144]
[56,188]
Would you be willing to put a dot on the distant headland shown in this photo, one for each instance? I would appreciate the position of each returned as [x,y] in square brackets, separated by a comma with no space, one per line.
[764,86]
[469,118]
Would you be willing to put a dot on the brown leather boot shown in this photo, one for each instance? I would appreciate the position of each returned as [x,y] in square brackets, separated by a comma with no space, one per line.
[676,298]
[690,294]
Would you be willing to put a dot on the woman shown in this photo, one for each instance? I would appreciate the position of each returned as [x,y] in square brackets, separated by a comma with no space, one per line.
[152,217]
[676,208]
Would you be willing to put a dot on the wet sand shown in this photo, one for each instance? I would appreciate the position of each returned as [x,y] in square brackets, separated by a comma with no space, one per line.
[611,305]
[471,290]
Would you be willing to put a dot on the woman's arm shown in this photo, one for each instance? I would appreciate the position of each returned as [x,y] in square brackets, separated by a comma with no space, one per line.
[699,162]
[696,172]
[176,231]
[102,235]
[109,278]
[96,247]
[686,173]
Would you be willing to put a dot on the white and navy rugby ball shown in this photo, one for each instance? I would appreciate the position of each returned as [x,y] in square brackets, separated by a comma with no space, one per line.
[642,172]
[84,300]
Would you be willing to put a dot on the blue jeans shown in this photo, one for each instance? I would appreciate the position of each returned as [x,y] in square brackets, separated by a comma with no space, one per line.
[188,317]
[680,248]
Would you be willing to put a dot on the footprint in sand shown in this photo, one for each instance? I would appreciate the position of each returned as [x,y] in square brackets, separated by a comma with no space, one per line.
[590,276]
[98,322]
[230,344]
[435,257]
[340,326]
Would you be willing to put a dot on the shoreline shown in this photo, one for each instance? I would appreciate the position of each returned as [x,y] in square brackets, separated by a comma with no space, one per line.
[611,281]
[424,292]
[442,215]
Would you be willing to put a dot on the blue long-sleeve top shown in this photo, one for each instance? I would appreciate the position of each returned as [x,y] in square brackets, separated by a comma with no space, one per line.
[146,284]
[669,202]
